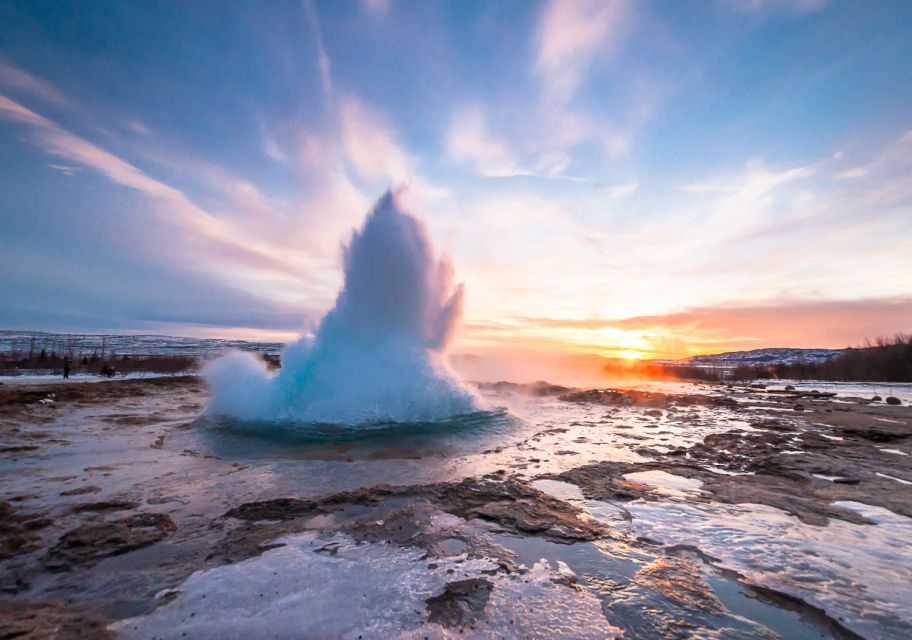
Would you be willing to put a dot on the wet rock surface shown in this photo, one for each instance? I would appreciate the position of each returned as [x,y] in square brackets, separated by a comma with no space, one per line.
[801,473]
[799,498]
[18,532]
[515,506]
[92,542]
[461,603]
[680,585]
[634,398]
[540,388]
[396,514]
[80,525]
[36,620]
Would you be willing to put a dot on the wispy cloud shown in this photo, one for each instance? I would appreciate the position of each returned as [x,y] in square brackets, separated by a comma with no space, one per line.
[754,182]
[273,150]
[619,191]
[61,143]
[377,7]
[851,174]
[179,210]
[741,202]
[137,126]
[323,63]
[65,169]
[470,141]
[370,145]
[15,79]
[364,141]
[571,34]
[574,37]
[789,7]
[895,156]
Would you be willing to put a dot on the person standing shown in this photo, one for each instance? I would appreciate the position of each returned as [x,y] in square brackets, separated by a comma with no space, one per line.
[66,367]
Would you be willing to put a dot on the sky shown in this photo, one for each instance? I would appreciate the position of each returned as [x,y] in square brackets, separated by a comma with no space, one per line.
[619,178]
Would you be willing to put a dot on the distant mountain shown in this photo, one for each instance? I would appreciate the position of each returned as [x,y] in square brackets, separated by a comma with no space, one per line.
[761,357]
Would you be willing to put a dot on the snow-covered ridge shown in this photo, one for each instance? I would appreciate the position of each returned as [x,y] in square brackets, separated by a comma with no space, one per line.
[766,356]
[22,342]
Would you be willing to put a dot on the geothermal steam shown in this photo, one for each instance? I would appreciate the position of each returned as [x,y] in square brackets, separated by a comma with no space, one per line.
[378,355]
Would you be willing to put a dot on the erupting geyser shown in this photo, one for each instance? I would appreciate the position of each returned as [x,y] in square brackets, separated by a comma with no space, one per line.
[378,355]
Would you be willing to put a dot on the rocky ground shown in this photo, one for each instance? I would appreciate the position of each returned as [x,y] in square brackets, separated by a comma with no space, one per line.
[114,494]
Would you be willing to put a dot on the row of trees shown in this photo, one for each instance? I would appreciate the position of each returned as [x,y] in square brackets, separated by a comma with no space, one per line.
[44,361]
[44,347]
[887,359]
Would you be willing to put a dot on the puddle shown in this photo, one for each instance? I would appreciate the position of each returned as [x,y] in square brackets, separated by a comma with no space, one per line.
[669,483]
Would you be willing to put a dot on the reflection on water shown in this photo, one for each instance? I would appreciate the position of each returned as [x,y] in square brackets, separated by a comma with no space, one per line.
[650,593]
[859,574]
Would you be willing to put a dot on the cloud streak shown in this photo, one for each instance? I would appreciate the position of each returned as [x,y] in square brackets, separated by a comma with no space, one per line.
[788,7]
[370,146]
[572,33]
[18,80]
[323,63]
[177,208]
[470,141]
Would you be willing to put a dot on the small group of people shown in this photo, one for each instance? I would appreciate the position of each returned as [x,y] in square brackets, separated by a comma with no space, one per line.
[106,369]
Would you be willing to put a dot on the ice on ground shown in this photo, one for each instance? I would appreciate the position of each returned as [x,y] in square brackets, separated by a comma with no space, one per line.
[665,481]
[889,477]
[334,587]
[858,574]
[560,490]
[902,390]
[823,476]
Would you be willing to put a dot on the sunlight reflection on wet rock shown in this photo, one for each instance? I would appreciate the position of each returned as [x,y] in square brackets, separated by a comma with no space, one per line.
[828,566]
[385,591]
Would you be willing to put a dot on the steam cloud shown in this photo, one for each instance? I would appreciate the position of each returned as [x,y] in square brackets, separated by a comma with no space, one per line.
[378,355]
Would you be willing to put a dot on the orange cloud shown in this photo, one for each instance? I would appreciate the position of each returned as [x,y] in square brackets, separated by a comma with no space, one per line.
[823,324]
[836,323]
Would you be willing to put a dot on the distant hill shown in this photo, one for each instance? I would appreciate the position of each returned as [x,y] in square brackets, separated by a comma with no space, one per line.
[762,357]
[21,343]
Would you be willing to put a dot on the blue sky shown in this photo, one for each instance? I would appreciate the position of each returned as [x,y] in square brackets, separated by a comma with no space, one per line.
[653,178]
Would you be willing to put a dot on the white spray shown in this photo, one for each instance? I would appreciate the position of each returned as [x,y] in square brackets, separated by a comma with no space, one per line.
[378,355]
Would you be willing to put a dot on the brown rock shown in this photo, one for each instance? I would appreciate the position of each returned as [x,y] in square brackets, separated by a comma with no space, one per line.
[31,620]
[461,603]
[92,542]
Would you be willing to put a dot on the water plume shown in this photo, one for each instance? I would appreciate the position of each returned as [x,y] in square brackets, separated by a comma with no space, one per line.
[378,355]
